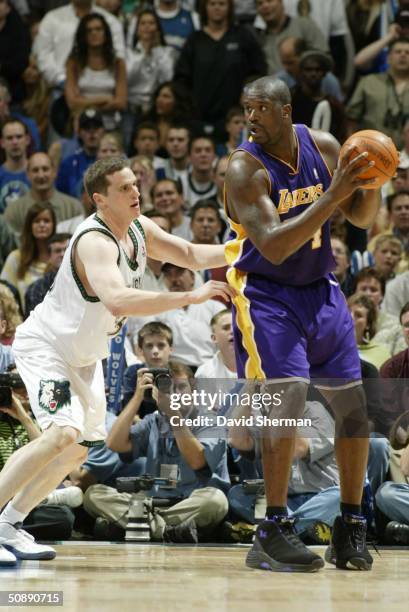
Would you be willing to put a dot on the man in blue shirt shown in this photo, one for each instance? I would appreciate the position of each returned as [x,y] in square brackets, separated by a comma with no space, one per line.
[73,167]
[194,455]
[14,182]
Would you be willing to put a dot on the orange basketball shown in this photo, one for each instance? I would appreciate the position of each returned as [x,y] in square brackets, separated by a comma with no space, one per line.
[381,150]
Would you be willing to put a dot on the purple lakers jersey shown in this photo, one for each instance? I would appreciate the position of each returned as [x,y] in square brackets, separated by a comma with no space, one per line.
[292,190]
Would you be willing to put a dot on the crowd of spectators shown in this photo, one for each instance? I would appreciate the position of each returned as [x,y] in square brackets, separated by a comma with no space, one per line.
[160,82]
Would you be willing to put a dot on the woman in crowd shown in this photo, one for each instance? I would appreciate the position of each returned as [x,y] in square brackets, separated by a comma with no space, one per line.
[28,263]
[172,103]
[10,315]
[96,78]
[149,63]
[364,315]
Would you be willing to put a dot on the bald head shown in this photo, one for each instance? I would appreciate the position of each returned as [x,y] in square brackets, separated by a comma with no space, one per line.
[269,87]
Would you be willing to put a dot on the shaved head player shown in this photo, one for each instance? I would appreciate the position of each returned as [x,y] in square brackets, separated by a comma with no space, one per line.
[291,321]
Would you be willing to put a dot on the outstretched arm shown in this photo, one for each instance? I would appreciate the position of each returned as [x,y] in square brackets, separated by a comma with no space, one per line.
[249,203]
[166,247]
[96,265]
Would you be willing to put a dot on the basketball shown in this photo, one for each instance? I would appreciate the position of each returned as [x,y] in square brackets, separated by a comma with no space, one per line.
[381,150]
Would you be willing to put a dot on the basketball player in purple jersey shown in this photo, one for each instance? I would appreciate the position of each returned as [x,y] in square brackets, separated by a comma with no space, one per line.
[291,321]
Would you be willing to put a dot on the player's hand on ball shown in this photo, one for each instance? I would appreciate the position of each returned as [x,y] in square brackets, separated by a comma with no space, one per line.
[346,176]
[210,290]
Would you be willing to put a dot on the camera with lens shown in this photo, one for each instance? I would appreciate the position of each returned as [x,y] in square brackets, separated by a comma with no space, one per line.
[8,382]
[138,528]
[161,379]
[402,18]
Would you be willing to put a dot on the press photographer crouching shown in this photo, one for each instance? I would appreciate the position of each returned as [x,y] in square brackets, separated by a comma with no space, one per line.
[191,456]
[48,521]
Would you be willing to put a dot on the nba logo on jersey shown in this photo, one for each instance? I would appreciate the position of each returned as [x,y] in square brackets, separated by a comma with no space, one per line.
[315,172]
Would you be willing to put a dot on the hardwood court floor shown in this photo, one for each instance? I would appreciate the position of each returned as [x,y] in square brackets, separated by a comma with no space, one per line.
[141,577]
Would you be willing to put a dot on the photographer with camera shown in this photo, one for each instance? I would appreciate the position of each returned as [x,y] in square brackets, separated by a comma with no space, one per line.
[193,454]
[381,101]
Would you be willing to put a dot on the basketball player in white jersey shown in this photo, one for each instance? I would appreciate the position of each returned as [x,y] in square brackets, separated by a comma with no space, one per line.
[58,349]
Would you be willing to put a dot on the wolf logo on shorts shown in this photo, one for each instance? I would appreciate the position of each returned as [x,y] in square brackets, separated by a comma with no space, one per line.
[54,395]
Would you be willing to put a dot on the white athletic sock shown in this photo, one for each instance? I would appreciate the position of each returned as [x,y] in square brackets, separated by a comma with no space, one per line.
[11,515]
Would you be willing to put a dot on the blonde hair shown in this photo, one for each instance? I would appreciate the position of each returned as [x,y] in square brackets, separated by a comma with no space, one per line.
[9,311]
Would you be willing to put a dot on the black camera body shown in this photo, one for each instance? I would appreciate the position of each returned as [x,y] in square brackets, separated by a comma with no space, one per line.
[134,484]
[162,379]
[8,382]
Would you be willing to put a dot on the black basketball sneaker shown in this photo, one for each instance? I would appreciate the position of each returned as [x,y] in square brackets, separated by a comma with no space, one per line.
[277,548]
[348,548]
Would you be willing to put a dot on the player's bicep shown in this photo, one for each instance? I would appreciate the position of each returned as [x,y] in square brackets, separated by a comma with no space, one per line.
[98,255]
[164,246]
[250,202]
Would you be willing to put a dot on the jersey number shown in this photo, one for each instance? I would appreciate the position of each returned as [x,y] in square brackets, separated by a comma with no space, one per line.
[316,240]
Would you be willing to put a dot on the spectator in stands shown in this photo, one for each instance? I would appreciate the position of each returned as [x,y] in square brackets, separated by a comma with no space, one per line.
[13,173]
[171,104]
[330,16]
[111,144]
[146,142]
[37,100]
[215,63]
[95,75]
[291,49]
[397,294]
[395,392]
[41,175]
[112,6]
[398,209]
[14,57]
[372,57]
[205,222]
[387,255]
[364,20]
[36,292]
[364,315]
[7,240]
[342,271]
[177,22]
[143,169]
[273,25]
[192,343]
[72,169]
[149,63]
[200,183]
[381,101]
[56,37]
[198,457]
[167,198]
[234,124]
[9,316]
[177,147]
[28,263]
[223,363]
[404,152]
[309,103]
[6,114]
[387,331]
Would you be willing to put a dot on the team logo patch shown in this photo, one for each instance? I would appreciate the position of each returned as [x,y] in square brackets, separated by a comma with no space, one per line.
[54,395]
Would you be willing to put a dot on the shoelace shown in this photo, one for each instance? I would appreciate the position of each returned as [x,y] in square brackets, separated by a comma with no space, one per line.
[358,535]
[287,527]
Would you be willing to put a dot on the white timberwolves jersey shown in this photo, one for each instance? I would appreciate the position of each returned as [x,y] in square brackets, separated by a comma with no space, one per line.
[78,325]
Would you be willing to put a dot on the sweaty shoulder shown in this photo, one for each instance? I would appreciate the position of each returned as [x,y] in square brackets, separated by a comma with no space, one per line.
[328,146]
[244,167]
